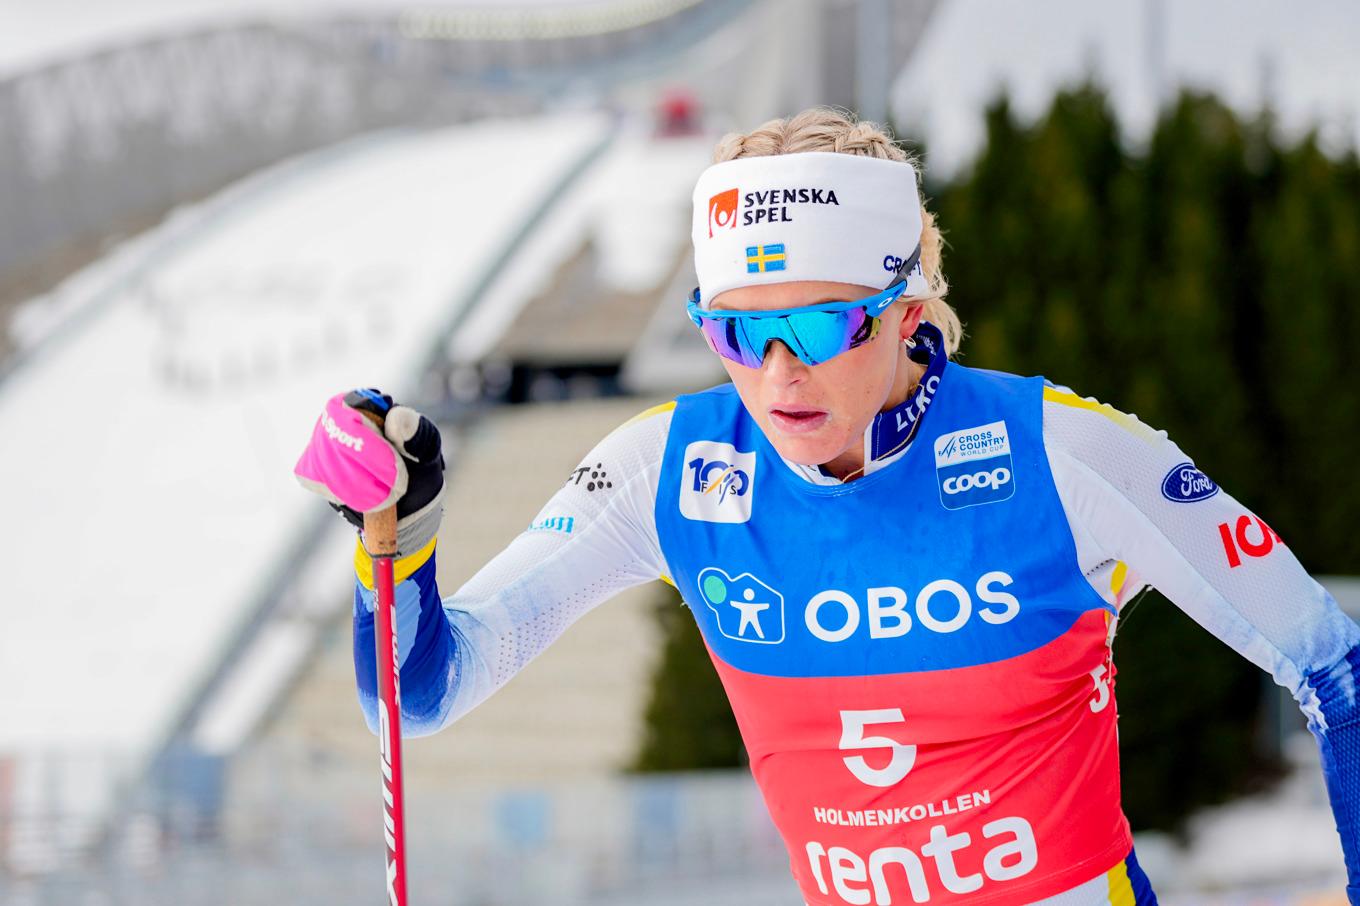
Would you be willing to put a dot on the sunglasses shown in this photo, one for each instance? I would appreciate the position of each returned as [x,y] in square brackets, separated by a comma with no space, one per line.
[814,333]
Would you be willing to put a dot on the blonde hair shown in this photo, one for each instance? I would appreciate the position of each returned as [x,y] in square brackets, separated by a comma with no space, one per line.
[826,129]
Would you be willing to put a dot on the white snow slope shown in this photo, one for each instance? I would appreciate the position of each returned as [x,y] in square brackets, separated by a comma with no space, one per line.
[149,449]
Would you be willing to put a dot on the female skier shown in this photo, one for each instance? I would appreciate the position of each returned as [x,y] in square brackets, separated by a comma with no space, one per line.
[908,573]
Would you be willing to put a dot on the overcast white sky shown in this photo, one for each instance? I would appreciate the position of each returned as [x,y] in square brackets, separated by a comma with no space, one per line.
[33,32]
[1305,56]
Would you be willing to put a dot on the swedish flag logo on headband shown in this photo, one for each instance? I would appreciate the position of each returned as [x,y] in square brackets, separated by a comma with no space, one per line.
[761,259]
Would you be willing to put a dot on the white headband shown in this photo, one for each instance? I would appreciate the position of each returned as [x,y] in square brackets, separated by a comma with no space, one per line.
[813,216]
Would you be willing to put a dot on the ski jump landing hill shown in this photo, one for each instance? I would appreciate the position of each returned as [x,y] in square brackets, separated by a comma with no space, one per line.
[170,576]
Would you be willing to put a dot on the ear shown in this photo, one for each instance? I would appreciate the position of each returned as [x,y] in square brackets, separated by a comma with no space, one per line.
[911,319]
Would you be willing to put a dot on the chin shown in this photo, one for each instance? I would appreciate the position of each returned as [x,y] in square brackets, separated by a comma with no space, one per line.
[806,451]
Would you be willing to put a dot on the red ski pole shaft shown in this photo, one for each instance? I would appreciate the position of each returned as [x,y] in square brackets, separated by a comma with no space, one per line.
[380,540]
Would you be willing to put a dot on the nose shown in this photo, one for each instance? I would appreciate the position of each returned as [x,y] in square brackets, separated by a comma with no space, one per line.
[781,365]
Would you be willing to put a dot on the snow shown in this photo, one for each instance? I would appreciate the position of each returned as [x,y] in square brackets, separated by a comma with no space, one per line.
[1277,847]
[1270,839]
[128,261]
[635,209]
[154,486]
[158,518]
[1303,61]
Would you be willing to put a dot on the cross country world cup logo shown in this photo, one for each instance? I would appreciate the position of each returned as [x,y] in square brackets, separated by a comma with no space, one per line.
[722,211]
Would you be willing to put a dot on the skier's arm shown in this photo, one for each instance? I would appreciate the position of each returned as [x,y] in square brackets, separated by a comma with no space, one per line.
[594,538]
[1142,514]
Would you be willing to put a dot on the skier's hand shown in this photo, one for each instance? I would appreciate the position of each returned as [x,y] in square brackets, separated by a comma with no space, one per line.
[363,464]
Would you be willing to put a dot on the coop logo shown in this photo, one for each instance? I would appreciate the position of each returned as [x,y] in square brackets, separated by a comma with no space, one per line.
[1186,484]
[718,483]
[722,211]
[962,484]
[745,608]
[974,466]
[728,208]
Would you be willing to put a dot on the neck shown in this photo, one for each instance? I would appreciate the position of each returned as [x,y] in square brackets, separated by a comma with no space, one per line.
[850,464]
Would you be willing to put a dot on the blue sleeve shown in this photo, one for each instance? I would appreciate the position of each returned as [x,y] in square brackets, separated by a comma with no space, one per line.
[1333,708]
[426,649]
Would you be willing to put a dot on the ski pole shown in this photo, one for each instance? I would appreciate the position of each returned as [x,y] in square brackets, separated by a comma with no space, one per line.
[380,540]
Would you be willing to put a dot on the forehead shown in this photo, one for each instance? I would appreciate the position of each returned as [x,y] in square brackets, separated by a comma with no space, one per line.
[789,295]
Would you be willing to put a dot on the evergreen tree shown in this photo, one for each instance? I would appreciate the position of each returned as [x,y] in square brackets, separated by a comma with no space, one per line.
[688,723]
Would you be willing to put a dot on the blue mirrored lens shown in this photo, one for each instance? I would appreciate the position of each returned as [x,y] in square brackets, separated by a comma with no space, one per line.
[723,337]
[813,336]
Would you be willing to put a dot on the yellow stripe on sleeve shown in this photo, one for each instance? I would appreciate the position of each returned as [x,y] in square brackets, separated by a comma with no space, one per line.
[401,569]
[1123,420]
[669,581]
[1118,578]
[648,413]
[1121,891]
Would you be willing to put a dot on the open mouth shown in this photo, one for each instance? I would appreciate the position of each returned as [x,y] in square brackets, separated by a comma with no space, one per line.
[797,420]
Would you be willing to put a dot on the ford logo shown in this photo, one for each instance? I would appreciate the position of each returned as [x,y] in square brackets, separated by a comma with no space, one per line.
[1186,484]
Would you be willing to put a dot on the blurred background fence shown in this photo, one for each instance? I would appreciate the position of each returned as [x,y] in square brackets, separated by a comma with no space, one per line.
[667,839]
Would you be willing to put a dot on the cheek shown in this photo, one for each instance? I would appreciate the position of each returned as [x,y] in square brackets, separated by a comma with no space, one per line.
[746,380]
[864,377]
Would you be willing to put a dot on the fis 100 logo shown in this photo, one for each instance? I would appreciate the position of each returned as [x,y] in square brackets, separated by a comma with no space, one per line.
[718,483]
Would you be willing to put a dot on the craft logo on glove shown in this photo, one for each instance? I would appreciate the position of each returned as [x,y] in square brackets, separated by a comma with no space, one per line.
[337,434]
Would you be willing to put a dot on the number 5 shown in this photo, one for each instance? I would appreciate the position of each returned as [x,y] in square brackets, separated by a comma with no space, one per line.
[1102,690]
[852,737]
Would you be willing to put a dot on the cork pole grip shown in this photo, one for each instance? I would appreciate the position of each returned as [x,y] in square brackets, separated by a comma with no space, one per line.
[380,533]
[380,527]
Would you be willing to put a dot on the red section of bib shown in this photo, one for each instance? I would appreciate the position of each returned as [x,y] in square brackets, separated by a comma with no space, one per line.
[993,783]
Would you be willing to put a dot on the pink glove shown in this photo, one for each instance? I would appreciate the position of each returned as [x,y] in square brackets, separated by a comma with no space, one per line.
[348,461]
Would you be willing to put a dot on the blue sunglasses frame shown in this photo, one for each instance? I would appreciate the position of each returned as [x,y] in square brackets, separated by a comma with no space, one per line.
[873,305]
[794,326]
